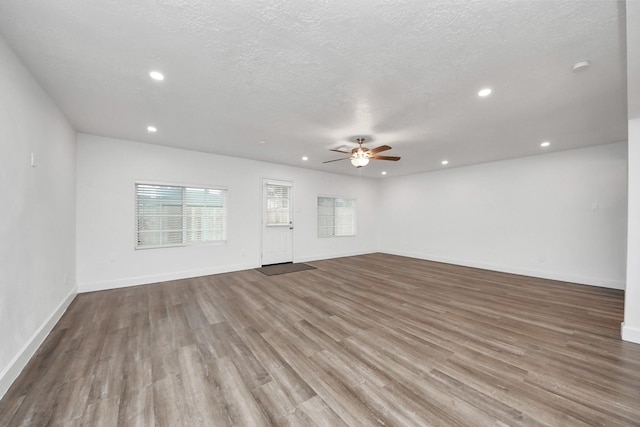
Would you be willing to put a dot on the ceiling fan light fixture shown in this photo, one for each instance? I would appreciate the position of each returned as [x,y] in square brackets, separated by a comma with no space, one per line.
[360,155]
[359,161]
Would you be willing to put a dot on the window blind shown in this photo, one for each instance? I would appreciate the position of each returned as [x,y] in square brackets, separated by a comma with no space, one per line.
[336,217]
[168,215]
[278,208]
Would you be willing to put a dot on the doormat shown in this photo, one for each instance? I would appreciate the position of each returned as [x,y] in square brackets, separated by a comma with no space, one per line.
[289,267]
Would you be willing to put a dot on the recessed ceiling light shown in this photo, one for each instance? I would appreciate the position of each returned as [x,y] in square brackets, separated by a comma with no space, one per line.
[445,162]
[545,144]
[383,173]
[156,75]
[305,158]
[484,92]
[152,129]
[262,142]
[580,66]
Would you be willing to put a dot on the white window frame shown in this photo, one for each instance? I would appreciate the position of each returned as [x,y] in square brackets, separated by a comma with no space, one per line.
[183,229]
[333,227]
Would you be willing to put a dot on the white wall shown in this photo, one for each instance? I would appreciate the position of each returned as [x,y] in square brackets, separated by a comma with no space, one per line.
[631,325]
[108,169]
[529,216]
[37,208]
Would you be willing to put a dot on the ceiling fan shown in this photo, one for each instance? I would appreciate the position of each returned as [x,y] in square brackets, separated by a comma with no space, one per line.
[360,155]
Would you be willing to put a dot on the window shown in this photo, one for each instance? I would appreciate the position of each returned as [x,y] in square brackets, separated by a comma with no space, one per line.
[336,217]
[168,215]
[278,200]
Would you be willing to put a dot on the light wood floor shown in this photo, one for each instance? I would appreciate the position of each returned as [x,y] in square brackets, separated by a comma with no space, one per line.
[361,341]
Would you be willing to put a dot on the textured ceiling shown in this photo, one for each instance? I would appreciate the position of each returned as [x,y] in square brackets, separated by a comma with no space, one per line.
[306,76]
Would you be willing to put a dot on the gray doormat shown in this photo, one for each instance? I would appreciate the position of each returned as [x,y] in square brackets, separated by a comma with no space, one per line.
[275,269]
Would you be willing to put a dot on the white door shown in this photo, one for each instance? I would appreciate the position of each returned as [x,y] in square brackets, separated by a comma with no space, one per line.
[277,222]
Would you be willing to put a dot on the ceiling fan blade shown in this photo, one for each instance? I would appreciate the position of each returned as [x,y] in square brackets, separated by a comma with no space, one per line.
[339,151]
[379,149]
[337,160]
[394,158]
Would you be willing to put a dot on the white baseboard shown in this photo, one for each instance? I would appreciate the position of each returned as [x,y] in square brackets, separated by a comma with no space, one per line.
[630,334]
[20,360]
[163,277]
[592,281]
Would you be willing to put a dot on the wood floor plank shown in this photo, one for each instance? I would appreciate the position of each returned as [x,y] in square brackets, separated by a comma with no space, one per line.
[136,408]
[368,340]
[8,408]
[316,412]
[339,395]
[199,394]
[170,406]
[277,405]
[243,408]
[71,400]
[102,413]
